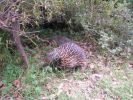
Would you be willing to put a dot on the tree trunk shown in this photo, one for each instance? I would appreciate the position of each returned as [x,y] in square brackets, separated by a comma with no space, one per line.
[17,40]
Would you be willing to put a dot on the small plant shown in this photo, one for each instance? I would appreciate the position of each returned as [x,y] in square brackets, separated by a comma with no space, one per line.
[115,44]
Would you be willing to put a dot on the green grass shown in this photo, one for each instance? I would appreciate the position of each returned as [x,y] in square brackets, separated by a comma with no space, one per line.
[38,82]
[116,85]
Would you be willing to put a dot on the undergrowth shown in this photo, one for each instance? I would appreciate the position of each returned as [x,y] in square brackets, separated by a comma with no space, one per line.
[37,82]
[109,20]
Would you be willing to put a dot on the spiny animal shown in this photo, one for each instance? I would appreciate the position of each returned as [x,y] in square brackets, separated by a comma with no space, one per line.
[70,55]
[59,40]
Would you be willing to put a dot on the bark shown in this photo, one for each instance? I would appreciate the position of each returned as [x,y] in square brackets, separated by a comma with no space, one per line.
[16,37]
[12,16]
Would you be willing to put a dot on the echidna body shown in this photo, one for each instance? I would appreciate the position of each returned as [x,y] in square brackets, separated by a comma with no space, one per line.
[69,54]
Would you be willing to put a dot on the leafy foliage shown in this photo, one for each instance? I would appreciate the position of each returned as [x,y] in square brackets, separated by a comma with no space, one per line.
[108,22]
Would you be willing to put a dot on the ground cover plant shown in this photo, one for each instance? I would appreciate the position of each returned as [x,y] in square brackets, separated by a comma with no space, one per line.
[104,28]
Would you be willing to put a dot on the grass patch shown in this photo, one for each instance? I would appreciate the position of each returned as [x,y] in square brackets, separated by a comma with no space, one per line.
[38,82]
[119,84]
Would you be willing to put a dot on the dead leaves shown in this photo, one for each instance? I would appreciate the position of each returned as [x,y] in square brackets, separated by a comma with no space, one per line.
[14,91]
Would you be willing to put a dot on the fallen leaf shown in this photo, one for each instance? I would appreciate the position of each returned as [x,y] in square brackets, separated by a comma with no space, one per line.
[17,83]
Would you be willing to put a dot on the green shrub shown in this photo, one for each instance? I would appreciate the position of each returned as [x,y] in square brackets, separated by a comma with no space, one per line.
[112,21]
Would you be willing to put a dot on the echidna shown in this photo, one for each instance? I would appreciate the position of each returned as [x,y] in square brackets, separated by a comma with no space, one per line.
[69,54]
